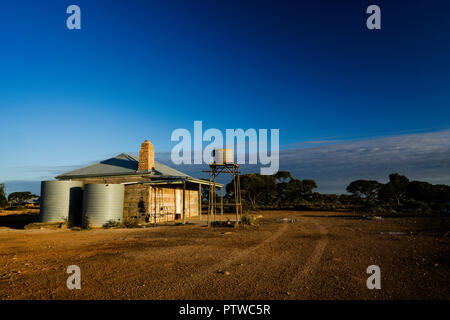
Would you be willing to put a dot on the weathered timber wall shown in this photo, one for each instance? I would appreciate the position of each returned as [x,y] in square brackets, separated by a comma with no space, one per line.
[141,200]
[169,201]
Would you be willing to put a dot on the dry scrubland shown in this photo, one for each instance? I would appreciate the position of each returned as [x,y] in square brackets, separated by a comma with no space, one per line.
[309,255]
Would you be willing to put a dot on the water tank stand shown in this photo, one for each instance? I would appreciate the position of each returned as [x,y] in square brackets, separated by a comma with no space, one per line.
[214,170]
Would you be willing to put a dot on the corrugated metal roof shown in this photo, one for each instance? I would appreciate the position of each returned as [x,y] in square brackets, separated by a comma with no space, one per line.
[123,164]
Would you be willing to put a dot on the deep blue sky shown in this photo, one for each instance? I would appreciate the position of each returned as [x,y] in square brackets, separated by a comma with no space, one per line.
[140,69]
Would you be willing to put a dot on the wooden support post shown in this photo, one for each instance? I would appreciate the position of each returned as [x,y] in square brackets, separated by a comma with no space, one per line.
[200,201]
[154,189]
[209,198]
[221,201]
[184,202]
[239,192]
[235,195]
[214,198]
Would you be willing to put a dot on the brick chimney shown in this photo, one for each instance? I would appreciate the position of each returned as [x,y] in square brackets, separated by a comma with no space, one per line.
[146,157]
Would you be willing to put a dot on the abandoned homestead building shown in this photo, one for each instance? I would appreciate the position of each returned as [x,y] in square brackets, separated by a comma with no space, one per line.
[152,192]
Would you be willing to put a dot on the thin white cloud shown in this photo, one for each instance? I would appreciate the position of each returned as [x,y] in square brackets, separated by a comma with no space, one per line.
[420,156]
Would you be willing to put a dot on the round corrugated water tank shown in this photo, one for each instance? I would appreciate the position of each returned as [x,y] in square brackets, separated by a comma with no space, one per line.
[102,203]
[61,201]
[222,156]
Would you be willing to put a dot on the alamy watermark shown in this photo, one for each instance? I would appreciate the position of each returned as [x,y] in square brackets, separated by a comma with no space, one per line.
[374,281]
[73,22]
[74,280]
[238,140]
[374,20]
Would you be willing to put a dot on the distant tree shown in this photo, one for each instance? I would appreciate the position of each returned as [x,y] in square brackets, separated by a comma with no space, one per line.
[280,189]
[317,197]
[281,194]
[282,179]
[205,193]
[415,194]
[282,176]
[331,198]
[364,189]
[269,192]
[386,193]
[346,199]
[294,191]
[325,198]
[284,191]
[229,190]
[441,193]
[254,187]
[308,186]
[3,200]
[420,191]
[398,184]
[19,197]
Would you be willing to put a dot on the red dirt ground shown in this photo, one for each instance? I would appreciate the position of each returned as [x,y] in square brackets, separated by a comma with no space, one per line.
[317,255]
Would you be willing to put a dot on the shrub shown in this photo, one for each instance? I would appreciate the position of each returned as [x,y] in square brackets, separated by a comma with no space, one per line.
[18,207]
[130,223]
[3,203]
[111,224]
[418,206]
[86,224]
[391,211]
[248,219]
[377,209]
[222,223]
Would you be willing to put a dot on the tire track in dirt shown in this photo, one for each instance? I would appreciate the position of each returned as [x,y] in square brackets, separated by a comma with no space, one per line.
[279,272]
[188,287]
[301,278]
[281,264]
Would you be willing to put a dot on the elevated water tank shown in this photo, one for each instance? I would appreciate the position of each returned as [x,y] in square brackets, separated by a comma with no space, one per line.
[222,156]
[102,203]
[61,201]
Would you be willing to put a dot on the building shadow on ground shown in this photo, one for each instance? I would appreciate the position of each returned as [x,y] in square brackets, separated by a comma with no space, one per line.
[18,221]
